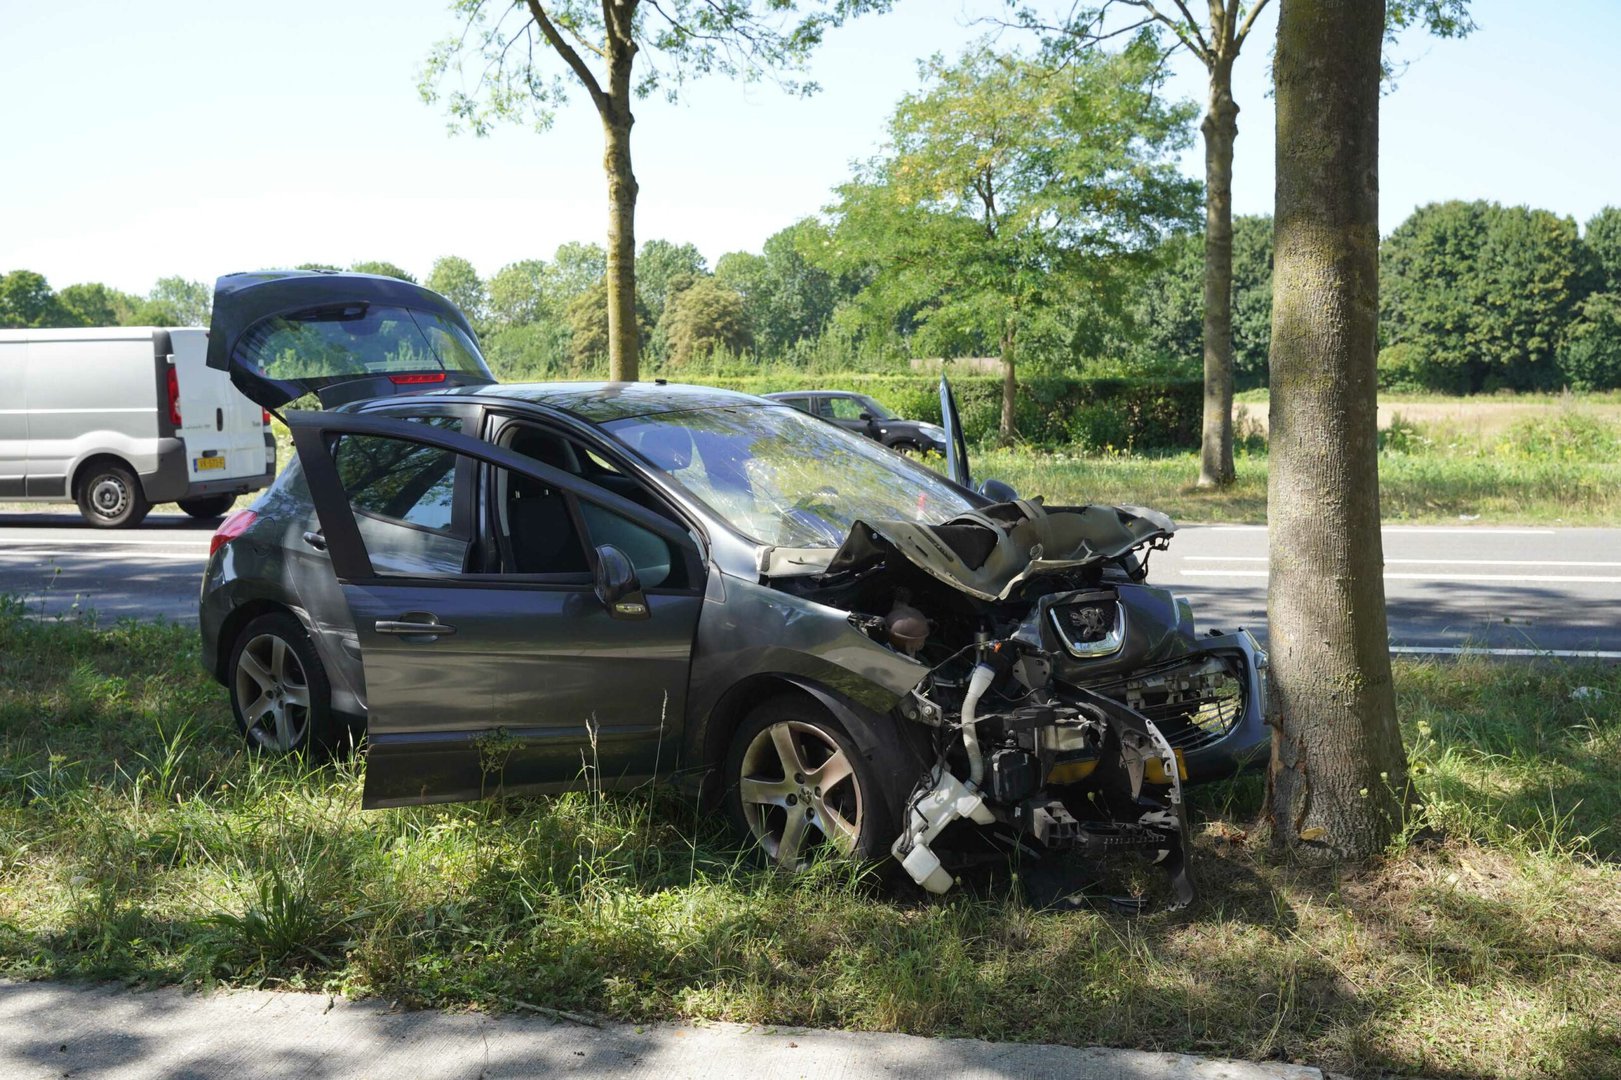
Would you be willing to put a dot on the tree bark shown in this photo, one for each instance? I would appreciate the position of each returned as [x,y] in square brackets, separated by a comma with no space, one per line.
[1010,386]
[1220,129]
[1339,782]
[624,335]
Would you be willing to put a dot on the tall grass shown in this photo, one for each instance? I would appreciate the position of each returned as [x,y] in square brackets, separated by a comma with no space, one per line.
[138,842]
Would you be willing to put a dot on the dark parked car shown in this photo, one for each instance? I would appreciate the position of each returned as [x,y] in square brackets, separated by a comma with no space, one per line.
[506,587]
[864,416]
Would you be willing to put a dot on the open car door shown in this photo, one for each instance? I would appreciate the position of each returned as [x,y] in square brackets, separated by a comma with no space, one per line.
[956,444]
[283,334]
[485,677]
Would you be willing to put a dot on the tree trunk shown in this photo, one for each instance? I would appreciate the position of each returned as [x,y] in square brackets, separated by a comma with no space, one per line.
[1010,386]
[624,336]
[1220,130]
[1339,782]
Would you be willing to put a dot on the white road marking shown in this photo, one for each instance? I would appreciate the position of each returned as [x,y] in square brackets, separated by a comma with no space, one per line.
[103,541]
[1475,530]
[1422,562]
[1474,650]
[1422,577]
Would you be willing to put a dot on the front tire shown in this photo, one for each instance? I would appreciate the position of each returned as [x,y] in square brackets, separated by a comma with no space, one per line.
[798,787]
[110,496]
[207,507]
[279,690]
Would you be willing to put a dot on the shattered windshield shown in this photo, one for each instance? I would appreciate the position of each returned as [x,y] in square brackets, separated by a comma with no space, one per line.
[783,478]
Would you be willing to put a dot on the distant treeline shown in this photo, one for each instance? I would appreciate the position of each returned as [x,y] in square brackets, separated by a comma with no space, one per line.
[1474,297]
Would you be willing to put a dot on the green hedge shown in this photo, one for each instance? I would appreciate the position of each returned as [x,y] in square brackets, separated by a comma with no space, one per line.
[1051,410]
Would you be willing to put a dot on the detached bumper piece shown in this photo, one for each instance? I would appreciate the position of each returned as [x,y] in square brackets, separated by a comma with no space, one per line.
[1063,767]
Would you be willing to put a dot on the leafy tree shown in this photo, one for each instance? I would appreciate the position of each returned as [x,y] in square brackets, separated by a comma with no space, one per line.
[662,268]
[529,52]
[1217,41]
[174,301]
[1339,780]
[1601,242]
[1590,356]
[518,294]
[94,304]
[317,266]
[27,301]
[787,296]
[382,269]
[1008,189]
[703,317]
[587,317]
[1483,291]
[575,268]
[1169,309]
[455,279]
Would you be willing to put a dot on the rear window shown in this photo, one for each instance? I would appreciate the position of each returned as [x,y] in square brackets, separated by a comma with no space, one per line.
[339,340]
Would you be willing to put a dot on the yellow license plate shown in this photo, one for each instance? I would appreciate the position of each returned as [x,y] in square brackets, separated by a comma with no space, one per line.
[209,461]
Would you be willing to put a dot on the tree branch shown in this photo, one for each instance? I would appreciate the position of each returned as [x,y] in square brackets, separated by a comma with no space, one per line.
[1186,31]
[1249,23]
[569,55]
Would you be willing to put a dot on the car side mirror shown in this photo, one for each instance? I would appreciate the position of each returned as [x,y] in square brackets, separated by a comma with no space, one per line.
[868,417]
[998,491]
[617,585]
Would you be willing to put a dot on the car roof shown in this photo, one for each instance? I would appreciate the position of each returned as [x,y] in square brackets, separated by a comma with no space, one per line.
[601,402]
[777,395]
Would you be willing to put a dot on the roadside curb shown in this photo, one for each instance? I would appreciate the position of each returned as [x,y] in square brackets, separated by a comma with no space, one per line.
[56,1029]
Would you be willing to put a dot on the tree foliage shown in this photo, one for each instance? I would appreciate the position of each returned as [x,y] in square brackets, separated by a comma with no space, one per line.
[1483,291]
[382,268]
[1008,188]
[703,317]
[454,278]
[1168,311]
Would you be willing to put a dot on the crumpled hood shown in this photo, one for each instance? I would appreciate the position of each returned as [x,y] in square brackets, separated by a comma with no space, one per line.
[989,553]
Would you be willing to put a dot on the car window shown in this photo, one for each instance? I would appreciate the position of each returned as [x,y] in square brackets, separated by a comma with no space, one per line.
[846,408]
[801,403]
[358,339]
[657,563]
[404,497]
[536,531]
[873,407]
[403,481]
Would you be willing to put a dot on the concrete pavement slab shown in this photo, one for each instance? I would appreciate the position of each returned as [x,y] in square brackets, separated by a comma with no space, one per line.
[109,1033]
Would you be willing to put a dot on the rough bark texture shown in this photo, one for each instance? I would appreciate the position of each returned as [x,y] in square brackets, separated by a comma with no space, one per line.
[1339,780]
[624,336]
[1220,130]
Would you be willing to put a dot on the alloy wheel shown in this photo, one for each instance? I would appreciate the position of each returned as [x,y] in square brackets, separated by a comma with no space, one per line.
[799,792]
[273,693]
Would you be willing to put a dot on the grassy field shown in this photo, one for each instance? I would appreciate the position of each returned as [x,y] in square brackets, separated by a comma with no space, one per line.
[137,842]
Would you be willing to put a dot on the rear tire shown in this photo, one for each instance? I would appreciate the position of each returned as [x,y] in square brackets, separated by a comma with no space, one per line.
[110,496]
[797,786]
[279,690]
[209,506]
[908,450]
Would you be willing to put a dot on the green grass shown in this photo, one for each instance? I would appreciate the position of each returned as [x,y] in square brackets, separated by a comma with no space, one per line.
[138,842]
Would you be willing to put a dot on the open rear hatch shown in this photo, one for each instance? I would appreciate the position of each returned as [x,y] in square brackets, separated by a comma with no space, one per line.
[285,334]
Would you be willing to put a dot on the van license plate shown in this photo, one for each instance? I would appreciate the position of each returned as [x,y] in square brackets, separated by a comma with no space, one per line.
[209,461]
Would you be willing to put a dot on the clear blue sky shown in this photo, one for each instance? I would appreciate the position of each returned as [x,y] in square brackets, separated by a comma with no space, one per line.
[196,138]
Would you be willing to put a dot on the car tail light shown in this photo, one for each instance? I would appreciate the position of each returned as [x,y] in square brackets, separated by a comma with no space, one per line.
[231,528]
[417,379]
[265,418]
[174,398]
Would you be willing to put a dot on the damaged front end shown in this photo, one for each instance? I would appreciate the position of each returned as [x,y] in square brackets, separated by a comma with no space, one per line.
[1068,700]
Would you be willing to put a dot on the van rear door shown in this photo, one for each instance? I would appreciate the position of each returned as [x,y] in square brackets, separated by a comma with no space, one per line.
[283,334]
[223,431]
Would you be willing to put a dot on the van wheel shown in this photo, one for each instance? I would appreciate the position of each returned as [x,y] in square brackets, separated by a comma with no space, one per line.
[110,496]
[279,690]
[210,506]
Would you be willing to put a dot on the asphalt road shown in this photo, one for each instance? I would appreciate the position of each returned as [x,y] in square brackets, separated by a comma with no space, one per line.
[1505,589]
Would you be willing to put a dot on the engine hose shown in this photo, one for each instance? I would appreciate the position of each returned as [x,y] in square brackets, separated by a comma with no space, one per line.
[978,683]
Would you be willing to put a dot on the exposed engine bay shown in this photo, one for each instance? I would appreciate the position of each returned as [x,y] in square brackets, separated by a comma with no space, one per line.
[1067,700]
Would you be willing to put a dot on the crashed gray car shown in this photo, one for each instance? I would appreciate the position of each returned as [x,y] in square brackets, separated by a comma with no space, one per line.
[520,588]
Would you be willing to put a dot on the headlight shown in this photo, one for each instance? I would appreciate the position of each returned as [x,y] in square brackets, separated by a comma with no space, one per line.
[933,431]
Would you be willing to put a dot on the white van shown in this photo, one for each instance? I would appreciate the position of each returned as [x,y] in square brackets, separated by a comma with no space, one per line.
[116,419]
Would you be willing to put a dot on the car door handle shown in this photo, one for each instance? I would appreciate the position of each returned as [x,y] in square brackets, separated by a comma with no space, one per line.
[315,540]
[410,627]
